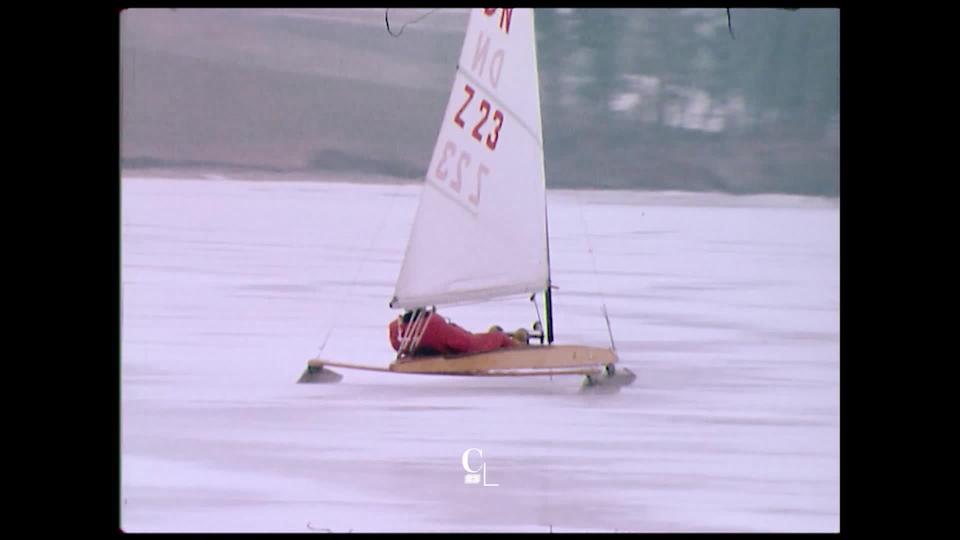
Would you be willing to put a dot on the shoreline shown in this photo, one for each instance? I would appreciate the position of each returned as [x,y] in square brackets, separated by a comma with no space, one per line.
[588,194]
[258,175]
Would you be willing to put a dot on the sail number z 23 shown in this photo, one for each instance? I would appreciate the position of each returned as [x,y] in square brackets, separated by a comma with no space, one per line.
[492,134]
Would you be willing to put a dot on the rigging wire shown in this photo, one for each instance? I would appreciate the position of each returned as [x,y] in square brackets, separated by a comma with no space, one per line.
[386,18]
[536,309]
[352,287]
[730,21]
[593,262]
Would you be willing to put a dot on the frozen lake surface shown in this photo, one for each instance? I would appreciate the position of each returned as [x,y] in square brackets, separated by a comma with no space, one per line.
[726,307]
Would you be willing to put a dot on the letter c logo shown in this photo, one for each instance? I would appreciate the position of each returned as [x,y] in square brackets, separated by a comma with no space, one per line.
[466,459]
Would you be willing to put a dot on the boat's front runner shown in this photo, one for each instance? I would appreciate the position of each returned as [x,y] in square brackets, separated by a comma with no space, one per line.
[609,379]
[319,374]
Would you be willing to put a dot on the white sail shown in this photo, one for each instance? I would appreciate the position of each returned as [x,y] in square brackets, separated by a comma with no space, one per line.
[480,229]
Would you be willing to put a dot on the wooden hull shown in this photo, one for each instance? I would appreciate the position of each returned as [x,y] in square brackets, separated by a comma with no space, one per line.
[534,357]
[531,360]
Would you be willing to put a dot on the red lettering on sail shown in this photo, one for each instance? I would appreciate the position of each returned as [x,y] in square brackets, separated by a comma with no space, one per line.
[467,196]
[496,67]
[482,171]
[505,15]
[480,54]
[493,137]
[456,118]
[448,150]
[485,109]
[464,161]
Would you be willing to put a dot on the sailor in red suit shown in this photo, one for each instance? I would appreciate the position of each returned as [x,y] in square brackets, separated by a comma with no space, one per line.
[438,336]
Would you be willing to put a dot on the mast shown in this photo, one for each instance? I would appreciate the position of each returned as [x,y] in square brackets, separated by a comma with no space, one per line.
[548,294]
[549,309]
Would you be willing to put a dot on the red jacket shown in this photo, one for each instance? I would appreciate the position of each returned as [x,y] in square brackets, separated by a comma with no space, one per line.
[442,337]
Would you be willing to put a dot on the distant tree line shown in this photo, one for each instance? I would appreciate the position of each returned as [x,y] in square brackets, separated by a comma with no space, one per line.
[673,89]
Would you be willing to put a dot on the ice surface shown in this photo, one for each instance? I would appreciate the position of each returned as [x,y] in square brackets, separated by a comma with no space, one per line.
[726,308]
